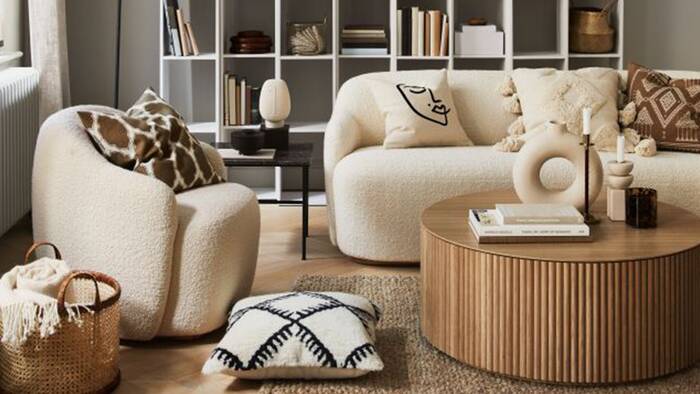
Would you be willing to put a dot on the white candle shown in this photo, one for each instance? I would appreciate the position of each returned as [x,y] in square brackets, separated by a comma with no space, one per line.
[621,148]
[587,120]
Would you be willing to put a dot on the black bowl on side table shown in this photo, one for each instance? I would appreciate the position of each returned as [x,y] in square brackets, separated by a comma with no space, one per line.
[247,141]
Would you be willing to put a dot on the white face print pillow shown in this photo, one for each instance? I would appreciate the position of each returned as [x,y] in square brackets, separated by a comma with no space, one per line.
[418,111]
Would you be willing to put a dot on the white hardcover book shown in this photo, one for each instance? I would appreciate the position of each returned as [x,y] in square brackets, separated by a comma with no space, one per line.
[365,51]
[177,46]
[445,34]
[485,222]
[538,214]
[399,32]
[421,33]
[414,31]
[243,102]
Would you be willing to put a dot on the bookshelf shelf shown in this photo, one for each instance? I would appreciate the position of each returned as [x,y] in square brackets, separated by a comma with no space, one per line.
[536,35]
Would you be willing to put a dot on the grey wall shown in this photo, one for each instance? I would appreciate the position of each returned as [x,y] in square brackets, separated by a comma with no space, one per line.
[663,33]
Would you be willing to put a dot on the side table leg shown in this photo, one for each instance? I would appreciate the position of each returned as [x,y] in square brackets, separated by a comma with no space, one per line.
[304,210]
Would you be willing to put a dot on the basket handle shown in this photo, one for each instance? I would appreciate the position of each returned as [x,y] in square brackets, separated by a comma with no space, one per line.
[64,285]
[36,245]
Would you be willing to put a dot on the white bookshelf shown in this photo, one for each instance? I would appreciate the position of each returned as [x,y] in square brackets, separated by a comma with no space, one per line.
[536,35]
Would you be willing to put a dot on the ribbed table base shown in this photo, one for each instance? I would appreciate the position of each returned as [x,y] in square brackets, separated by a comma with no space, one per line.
[578,323]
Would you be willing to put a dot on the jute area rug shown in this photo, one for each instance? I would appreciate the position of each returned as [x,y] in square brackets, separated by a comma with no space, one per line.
[412,365]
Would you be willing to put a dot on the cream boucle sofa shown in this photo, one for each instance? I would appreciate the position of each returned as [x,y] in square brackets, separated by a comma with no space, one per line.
[376,196]
[181,259]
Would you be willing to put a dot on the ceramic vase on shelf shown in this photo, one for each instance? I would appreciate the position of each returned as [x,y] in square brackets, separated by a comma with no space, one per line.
[275,106]
[555,142]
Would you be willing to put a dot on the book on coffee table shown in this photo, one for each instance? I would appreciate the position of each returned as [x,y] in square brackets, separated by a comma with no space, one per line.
[488,227]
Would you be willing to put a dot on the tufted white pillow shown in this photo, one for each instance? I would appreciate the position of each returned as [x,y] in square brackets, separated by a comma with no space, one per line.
[547,94]
[419,111]
[302,335]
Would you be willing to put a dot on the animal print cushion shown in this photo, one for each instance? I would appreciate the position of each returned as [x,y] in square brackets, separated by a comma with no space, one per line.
[298,335]
[668,110]
[151,139]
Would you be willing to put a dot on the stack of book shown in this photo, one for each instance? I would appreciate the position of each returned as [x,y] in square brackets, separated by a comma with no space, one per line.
[422,33]
[364,40]
[178,34]
[241,101]
[523,223]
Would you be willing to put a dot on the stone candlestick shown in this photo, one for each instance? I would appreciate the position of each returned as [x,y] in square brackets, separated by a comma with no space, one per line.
[619,179]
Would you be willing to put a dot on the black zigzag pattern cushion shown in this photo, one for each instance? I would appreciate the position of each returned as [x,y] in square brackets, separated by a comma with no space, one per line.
[298,335]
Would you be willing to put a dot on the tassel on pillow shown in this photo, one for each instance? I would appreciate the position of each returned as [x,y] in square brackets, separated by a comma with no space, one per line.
[646,148]
[512,105]
[517,128]
[507,87]
[509,144]
[628,114]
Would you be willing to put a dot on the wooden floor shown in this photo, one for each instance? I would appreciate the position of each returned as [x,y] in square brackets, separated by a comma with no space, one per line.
[174,366]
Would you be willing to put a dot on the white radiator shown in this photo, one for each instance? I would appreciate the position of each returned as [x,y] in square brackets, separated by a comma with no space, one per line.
[19,127]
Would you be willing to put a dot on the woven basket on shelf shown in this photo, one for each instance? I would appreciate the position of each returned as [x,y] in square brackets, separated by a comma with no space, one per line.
[76,358]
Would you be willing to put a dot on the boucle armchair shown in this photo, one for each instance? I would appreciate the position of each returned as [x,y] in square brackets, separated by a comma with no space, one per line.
[181,259]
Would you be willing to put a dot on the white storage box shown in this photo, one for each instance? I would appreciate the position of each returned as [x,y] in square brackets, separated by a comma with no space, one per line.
[479,41]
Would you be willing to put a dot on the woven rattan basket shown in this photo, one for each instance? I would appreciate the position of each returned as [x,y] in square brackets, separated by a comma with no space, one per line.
[77,358]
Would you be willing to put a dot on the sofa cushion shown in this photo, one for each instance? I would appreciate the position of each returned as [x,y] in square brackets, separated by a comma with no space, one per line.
[419,112]
[552,95]
[668,109]
[380,194]
[151,139]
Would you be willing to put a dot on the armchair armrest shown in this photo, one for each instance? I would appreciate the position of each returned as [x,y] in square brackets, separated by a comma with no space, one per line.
[343,136]
[105,218]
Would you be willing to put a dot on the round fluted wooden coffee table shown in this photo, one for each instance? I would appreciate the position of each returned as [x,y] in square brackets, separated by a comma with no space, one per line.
[622,308]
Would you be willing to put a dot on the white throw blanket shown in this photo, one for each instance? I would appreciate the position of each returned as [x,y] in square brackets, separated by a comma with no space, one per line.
[28,300]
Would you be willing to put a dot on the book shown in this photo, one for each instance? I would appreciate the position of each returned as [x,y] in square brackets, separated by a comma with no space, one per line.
[255,117]
[232,100]
[406,31]
[538,214]
[237,106]
[227,118]
[186,51]
[399,32]
[435,28]
[177,45]
[248,105]
[167,33]
[445,36]
[367,51]
[486,229]
[414,31]
[421,34]
[426,34]
[192,40]
[242,101]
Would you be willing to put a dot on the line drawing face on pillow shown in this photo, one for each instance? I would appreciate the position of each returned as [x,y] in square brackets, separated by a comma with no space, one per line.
[423,102]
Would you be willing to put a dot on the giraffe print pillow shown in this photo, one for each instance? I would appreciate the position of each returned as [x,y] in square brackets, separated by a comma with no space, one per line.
[151,139]
[300,335]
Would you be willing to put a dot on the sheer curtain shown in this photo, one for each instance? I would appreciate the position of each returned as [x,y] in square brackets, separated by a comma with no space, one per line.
[49,53]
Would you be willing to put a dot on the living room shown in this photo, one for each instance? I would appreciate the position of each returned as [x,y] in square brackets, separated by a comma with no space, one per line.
[301,196]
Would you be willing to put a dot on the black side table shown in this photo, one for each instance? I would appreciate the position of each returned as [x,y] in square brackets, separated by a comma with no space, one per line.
[297,155]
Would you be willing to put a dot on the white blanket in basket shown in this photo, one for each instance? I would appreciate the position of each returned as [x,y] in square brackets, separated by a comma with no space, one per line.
[28,300]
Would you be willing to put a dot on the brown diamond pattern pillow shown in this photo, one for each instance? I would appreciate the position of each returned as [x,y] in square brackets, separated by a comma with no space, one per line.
[668,110]
[151,139]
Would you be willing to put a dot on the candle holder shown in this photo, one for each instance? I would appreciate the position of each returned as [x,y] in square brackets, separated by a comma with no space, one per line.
[619,179]
[641,207]
[588,217]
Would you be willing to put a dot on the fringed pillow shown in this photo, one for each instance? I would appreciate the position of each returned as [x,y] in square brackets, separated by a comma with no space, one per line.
[304,335]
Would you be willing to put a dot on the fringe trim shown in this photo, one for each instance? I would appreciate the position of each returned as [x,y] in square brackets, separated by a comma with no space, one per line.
[21,320]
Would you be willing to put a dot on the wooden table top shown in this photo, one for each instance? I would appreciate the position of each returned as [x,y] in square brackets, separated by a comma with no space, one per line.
[678,230]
